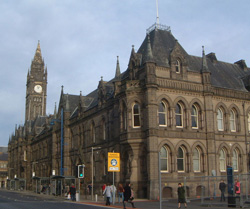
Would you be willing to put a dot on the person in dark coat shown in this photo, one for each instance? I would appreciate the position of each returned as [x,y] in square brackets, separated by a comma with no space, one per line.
[222,187]
[181,195]
[128,197]
[72,191]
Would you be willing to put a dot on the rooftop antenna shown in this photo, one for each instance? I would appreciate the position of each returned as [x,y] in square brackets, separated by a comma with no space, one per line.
[157,14]
[157,25]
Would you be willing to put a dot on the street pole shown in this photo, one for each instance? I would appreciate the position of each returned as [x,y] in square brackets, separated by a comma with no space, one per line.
[160,196]
[92,182]
[113,186]
[79,189]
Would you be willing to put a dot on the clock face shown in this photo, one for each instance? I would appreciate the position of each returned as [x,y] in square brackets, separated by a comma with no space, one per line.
[38,89]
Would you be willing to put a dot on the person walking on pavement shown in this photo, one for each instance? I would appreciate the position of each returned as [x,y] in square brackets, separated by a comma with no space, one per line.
[222,187]
[107,192]
[103,188]
[89,188]
[72,191]
[120,192]
[128,196]
[237,187]
[181,196]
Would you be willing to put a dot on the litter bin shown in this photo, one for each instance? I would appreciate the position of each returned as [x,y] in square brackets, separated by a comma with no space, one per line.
[231,202]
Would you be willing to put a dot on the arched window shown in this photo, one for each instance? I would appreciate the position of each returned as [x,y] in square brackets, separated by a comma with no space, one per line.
[124,117]
[136,116]
[248,121]
[164,159]
[196,159]
[177,66]
[235,160]
[179,115]
[220,120]
[162,114]
[194,117]
[180,160]
[232,121]
[223,163]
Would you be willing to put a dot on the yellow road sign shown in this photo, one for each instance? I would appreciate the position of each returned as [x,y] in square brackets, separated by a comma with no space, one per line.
[113,162]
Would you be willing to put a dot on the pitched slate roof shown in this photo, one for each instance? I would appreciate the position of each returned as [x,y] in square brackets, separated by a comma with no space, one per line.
[224,75]
[162,43]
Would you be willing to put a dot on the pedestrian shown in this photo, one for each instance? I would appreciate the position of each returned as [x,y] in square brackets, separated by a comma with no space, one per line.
[128,196]
[72,191]
[107,192]
[103,188]
[237,187]
[181,196]
[89,188]
[120,192]
[222,187]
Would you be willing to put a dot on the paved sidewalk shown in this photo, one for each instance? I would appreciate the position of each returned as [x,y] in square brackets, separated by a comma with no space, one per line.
[139,203]
[147,204]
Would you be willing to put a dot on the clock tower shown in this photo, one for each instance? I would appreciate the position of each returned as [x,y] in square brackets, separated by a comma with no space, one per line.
[36,88]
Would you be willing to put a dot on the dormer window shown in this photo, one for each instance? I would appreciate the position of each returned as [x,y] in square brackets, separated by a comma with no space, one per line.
[178,66]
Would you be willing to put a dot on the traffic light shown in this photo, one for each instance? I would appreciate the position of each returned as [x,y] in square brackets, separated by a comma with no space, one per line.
[81,171]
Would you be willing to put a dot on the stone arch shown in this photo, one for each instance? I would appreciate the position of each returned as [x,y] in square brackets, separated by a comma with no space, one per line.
[199,191]
[122,103]
[165,98]
[233,106]
[203,155]
[225,146]
[103,165]
[186,151]
[123,115]
[237,113]
[184,144]
[133,100]
[222,163]
[201,145]
[167,192]
[170,158]
[182,100]
[198,102]
[196,116]
[238,149]
[221,105]
[165,115]
[168,143]
[126,161]
[237,146]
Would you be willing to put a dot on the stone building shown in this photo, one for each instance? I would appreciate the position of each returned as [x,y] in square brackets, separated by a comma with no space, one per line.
[3,166]
[194,110]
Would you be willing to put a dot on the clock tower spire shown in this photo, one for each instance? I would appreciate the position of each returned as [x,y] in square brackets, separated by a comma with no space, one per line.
[36,87]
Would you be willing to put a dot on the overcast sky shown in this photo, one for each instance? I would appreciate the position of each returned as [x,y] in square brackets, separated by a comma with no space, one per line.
[80,40]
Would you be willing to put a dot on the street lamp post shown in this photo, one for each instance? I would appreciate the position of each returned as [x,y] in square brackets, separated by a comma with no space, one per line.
[92,168]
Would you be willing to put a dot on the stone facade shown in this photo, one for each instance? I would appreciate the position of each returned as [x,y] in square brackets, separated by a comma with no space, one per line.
[195,111]
[3,167]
